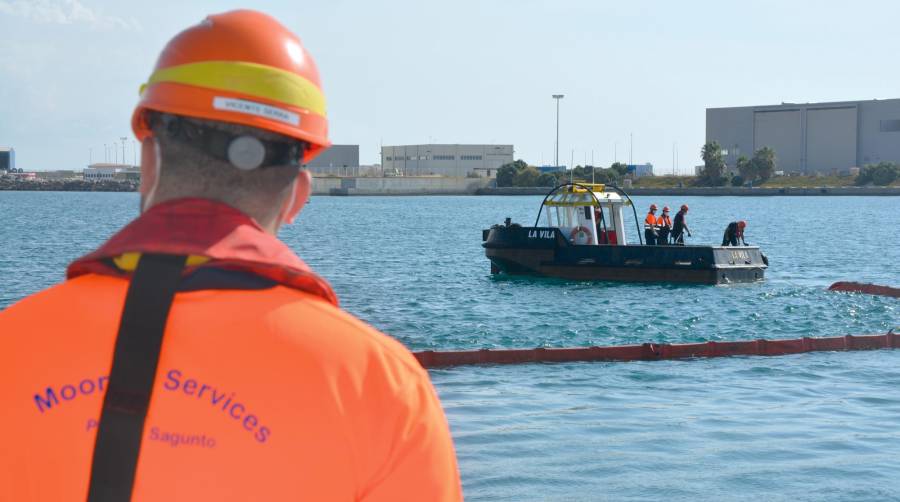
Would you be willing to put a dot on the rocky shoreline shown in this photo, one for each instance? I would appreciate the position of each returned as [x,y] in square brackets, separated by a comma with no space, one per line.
[9,183]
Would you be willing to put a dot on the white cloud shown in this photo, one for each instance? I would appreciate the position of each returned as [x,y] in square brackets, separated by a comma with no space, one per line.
[64,12]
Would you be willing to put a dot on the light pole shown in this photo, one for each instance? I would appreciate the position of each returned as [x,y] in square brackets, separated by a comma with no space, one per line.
[123,138]
[557,97]
[631,149]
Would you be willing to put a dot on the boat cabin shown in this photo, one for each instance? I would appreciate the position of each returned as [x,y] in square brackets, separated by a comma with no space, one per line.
[585,214]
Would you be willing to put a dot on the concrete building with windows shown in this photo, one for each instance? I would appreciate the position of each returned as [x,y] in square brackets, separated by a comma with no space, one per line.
[810,138]
[109,171]
[456,161]
[7,159]
[339,160]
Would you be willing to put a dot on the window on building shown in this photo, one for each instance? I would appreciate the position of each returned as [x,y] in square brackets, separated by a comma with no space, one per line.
[388,159]
[445,157]
[470,157]
[890,125]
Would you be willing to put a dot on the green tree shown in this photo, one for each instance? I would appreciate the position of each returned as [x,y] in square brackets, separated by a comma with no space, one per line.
[745,169]
[547,180]
[527,177]
[883,173]
[713,164]
[763,164]
[507,172]
[619,168]
[605,176]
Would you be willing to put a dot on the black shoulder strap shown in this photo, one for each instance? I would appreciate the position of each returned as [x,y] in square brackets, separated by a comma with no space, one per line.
[130,386]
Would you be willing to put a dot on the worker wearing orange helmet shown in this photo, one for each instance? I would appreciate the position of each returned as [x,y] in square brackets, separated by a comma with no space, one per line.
[651,228]
[733,233]
[679,226]
[664,222]
[194,356]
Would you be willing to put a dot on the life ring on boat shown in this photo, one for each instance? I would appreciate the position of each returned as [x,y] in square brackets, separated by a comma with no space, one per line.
[578,230]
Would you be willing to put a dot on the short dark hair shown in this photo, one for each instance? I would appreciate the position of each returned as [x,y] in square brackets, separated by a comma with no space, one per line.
[189,171]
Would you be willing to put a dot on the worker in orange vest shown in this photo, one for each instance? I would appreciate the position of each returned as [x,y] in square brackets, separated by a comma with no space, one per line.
[651,229]
[194,356]
[664,223]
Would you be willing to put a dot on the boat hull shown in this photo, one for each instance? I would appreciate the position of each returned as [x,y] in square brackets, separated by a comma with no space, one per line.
[545,252]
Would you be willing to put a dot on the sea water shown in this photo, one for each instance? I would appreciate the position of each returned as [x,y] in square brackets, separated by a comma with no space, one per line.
[821,426]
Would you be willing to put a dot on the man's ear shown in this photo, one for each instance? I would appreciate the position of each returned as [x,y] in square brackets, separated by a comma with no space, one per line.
[301,192]
[150,160]
[149,163]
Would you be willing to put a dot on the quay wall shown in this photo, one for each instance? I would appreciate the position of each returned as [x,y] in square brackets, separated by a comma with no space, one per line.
[716,191]
[406,185]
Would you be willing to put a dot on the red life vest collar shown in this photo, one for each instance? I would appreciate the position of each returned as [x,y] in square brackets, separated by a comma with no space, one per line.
[202,227]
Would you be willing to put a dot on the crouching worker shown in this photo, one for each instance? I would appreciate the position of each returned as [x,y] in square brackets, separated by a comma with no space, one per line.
[734,232]
[195,326]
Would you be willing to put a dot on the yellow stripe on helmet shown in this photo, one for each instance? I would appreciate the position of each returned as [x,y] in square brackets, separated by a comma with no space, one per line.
[267,82]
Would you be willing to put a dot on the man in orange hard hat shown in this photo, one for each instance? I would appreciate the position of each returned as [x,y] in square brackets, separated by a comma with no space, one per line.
[193,356]
[664,223]
[679,226]
[651,229]
[734,232]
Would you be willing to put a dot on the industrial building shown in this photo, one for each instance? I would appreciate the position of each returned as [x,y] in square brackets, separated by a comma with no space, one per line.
[109,171]
[340,160]
[7,159]
[445,160]
[639,170]
[810,138]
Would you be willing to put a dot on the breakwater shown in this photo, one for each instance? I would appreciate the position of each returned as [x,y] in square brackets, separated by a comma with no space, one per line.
[9,183]
[715,191]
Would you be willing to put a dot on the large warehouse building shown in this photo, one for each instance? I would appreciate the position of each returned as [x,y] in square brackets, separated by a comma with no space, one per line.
[7,159]
[340,160]
[445,160]
[811,137]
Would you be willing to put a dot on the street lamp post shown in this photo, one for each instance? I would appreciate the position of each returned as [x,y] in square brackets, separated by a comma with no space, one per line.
[123,138]
[557,97]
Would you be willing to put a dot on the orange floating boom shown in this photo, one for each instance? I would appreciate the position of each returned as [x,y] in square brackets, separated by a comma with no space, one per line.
[655,352]
[869,289]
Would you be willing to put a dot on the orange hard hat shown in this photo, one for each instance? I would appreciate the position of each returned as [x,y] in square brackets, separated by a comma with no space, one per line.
[742,224]
[653,207]
[241,67]
[684,207]
[666,209]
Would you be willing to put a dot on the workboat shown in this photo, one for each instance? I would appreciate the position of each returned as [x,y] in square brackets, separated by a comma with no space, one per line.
[583,238]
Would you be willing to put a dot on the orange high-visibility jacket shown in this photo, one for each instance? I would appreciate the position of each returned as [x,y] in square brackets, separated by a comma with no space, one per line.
[265,389]
[664,221]
[650,222]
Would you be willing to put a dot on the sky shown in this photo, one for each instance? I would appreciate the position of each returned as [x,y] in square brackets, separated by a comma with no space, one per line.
[639,73]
